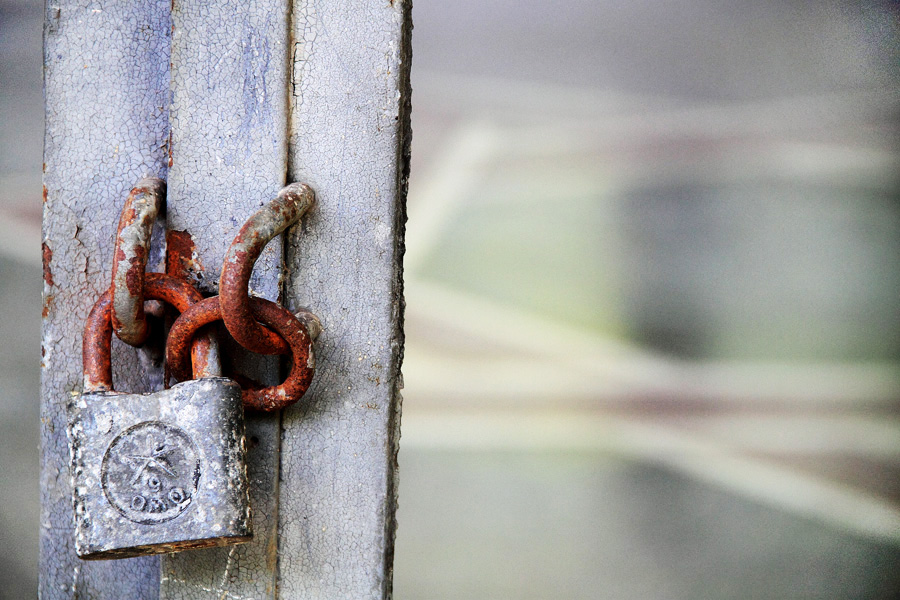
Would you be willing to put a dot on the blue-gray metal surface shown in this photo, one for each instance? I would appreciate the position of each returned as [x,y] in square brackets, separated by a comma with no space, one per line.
[350,141]
[229,157]
[106,89]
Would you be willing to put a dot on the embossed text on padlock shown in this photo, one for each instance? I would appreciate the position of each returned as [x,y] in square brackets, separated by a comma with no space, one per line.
[160,472]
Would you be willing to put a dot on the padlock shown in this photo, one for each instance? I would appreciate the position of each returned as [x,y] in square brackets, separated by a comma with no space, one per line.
[158,472]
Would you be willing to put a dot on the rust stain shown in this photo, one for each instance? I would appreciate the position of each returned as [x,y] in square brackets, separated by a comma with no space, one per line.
[45,193]
[47,256]
[45,310]
[134,275]
[180,255]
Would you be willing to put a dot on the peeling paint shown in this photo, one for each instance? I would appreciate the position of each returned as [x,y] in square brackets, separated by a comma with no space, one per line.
[47,257]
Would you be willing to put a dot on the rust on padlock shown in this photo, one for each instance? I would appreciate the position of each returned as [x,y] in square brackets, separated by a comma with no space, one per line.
[285,210]
[287,326]
[155,472]
[162,471]
[95,345]
[130,259]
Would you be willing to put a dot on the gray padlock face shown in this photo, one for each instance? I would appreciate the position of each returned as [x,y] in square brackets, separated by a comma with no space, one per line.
[160,472]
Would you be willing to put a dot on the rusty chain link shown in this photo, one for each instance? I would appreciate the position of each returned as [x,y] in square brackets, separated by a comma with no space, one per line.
[95,345]
[120,308]
[287,326]
[279,214]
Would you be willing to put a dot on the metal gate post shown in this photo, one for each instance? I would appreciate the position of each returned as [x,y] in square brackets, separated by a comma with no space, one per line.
[258,91]
[106,87]
[228,157]
[350,140]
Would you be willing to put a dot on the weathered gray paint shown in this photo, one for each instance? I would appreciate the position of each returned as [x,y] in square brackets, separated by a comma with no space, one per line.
[229,157]
[349,141]
[106,87]
[338,93]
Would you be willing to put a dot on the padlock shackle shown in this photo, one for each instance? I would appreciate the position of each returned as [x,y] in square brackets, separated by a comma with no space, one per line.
[96,343]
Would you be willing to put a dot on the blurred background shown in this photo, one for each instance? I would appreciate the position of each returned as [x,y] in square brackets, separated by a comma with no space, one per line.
[653,301]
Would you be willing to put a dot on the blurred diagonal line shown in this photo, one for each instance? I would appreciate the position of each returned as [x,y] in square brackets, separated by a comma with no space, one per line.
[632,158]
[617,125]
[773,119]
[866,436]
[479,94]
[519,329]
[830,502]
[436,194]
[564,364]
[516,381]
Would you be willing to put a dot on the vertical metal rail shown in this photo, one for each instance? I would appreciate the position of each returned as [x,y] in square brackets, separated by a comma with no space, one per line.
[228,158]
[350,141]
[106,84]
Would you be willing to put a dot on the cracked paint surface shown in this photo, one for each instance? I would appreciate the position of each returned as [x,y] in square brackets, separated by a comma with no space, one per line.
[106,90]
[228,158]
[350,142]
[332,95]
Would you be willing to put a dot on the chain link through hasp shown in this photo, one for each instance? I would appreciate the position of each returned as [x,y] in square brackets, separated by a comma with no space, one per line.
[256,324]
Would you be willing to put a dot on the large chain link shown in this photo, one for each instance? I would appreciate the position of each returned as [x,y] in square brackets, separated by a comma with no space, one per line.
[257,324]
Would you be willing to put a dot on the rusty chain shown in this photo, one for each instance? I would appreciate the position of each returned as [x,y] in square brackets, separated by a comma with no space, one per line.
[285,324]
[95,345]
[120,309]
[279,214]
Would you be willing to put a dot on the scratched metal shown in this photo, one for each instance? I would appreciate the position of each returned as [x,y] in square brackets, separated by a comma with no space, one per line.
[130,259]
[106,90]
[159,472]
[350,142]
[229,157]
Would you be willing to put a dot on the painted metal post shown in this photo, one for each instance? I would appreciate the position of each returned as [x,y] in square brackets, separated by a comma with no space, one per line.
[106,86]
[257,93]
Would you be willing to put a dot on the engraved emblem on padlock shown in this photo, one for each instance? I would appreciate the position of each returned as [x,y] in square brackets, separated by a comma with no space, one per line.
[158,472]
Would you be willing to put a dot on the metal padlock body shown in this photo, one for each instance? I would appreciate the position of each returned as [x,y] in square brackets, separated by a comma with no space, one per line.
[159,472]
